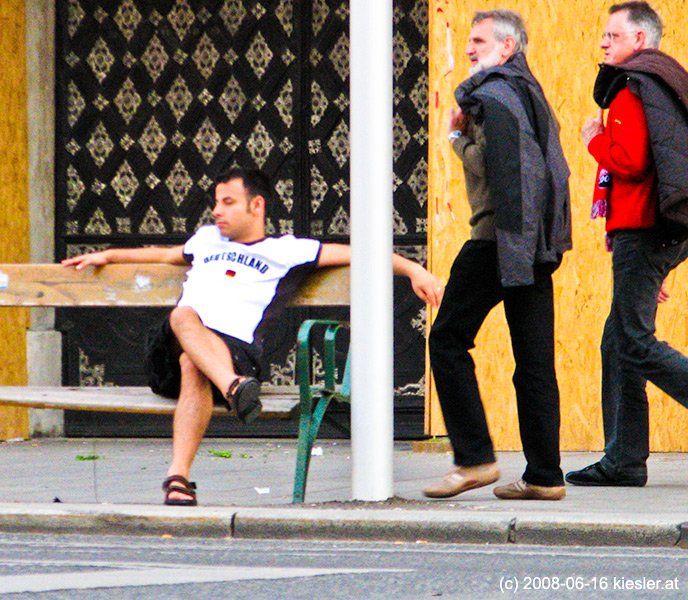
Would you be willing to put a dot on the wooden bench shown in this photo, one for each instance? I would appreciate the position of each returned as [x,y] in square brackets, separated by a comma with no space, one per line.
[131,285]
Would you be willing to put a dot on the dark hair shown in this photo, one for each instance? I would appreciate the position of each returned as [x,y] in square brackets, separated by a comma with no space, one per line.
[643,16]
[255,181]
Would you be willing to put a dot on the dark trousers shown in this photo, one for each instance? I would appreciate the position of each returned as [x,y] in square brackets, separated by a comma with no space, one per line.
[632,354]
[473,290]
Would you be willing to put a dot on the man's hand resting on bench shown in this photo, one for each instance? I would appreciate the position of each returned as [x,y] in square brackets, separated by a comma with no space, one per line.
[168,255]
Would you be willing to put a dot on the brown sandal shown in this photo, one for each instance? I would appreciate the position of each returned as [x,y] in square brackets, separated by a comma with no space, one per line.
[187,487]
[242,398]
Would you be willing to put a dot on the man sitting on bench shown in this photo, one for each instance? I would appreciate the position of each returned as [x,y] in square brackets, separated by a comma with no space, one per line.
[238,281]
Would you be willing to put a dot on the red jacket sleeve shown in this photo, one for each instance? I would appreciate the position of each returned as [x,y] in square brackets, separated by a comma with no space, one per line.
[624,147]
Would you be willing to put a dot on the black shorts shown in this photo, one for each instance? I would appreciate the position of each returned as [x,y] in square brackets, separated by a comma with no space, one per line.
[162,360]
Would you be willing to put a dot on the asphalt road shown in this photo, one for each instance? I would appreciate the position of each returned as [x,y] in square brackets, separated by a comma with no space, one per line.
[52,567]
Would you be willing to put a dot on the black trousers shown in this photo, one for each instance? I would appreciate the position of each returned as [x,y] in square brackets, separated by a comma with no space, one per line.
[473,290]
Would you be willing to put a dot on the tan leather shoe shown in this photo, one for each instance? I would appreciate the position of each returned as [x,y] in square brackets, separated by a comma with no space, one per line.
[461,479]
[521,490]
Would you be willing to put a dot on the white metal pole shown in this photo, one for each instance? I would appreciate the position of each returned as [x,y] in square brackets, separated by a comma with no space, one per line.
[372,430]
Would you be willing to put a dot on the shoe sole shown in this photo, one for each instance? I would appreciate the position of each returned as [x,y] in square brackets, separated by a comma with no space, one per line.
[477,484]
[532,496]
[180,502]
[623,483]
[252,413]
[247,402]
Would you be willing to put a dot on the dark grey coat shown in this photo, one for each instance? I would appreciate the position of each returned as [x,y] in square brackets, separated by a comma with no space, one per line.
[525,167]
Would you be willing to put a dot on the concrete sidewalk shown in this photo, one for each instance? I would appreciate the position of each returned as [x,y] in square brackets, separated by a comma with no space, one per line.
[245,486]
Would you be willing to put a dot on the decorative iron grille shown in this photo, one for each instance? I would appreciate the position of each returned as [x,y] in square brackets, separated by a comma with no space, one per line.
[157,96]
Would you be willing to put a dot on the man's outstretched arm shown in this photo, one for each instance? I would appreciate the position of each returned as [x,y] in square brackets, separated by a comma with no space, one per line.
[172,256]
[425,284]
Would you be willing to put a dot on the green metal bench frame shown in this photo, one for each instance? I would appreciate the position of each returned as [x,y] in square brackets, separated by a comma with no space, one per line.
[316,397]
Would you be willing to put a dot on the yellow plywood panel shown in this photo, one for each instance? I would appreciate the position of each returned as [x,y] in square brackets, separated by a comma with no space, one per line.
[14,221]
[563,54]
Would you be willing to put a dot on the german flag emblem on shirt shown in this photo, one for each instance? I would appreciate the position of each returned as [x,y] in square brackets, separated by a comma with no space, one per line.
[230,273]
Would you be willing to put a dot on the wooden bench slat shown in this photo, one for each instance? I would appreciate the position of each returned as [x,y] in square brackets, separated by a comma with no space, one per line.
[278,401]
[136,285]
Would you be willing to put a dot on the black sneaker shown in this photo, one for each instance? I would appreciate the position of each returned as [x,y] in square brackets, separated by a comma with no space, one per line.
[594,475]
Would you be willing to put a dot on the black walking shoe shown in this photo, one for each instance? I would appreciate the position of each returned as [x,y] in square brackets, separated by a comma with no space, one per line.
[594,475]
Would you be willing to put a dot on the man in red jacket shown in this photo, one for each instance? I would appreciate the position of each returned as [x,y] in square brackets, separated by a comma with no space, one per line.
[627,195]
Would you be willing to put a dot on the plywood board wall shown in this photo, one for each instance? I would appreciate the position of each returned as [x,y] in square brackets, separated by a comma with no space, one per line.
[14,219]
[563,54]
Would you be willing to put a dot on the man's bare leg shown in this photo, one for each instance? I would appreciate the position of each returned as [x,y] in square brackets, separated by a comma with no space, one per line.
[191,418]
[208,352]
[205,349]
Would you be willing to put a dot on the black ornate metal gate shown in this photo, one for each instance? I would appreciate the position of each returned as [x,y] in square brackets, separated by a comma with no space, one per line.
[156,96]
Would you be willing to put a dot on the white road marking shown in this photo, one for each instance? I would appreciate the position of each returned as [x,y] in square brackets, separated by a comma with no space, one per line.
[154,575]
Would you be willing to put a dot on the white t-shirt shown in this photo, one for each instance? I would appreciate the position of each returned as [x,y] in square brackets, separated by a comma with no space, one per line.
[238,289]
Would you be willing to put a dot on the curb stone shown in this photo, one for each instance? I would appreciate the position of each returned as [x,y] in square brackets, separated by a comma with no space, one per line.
[378,525]
[360,524]
[581,530]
